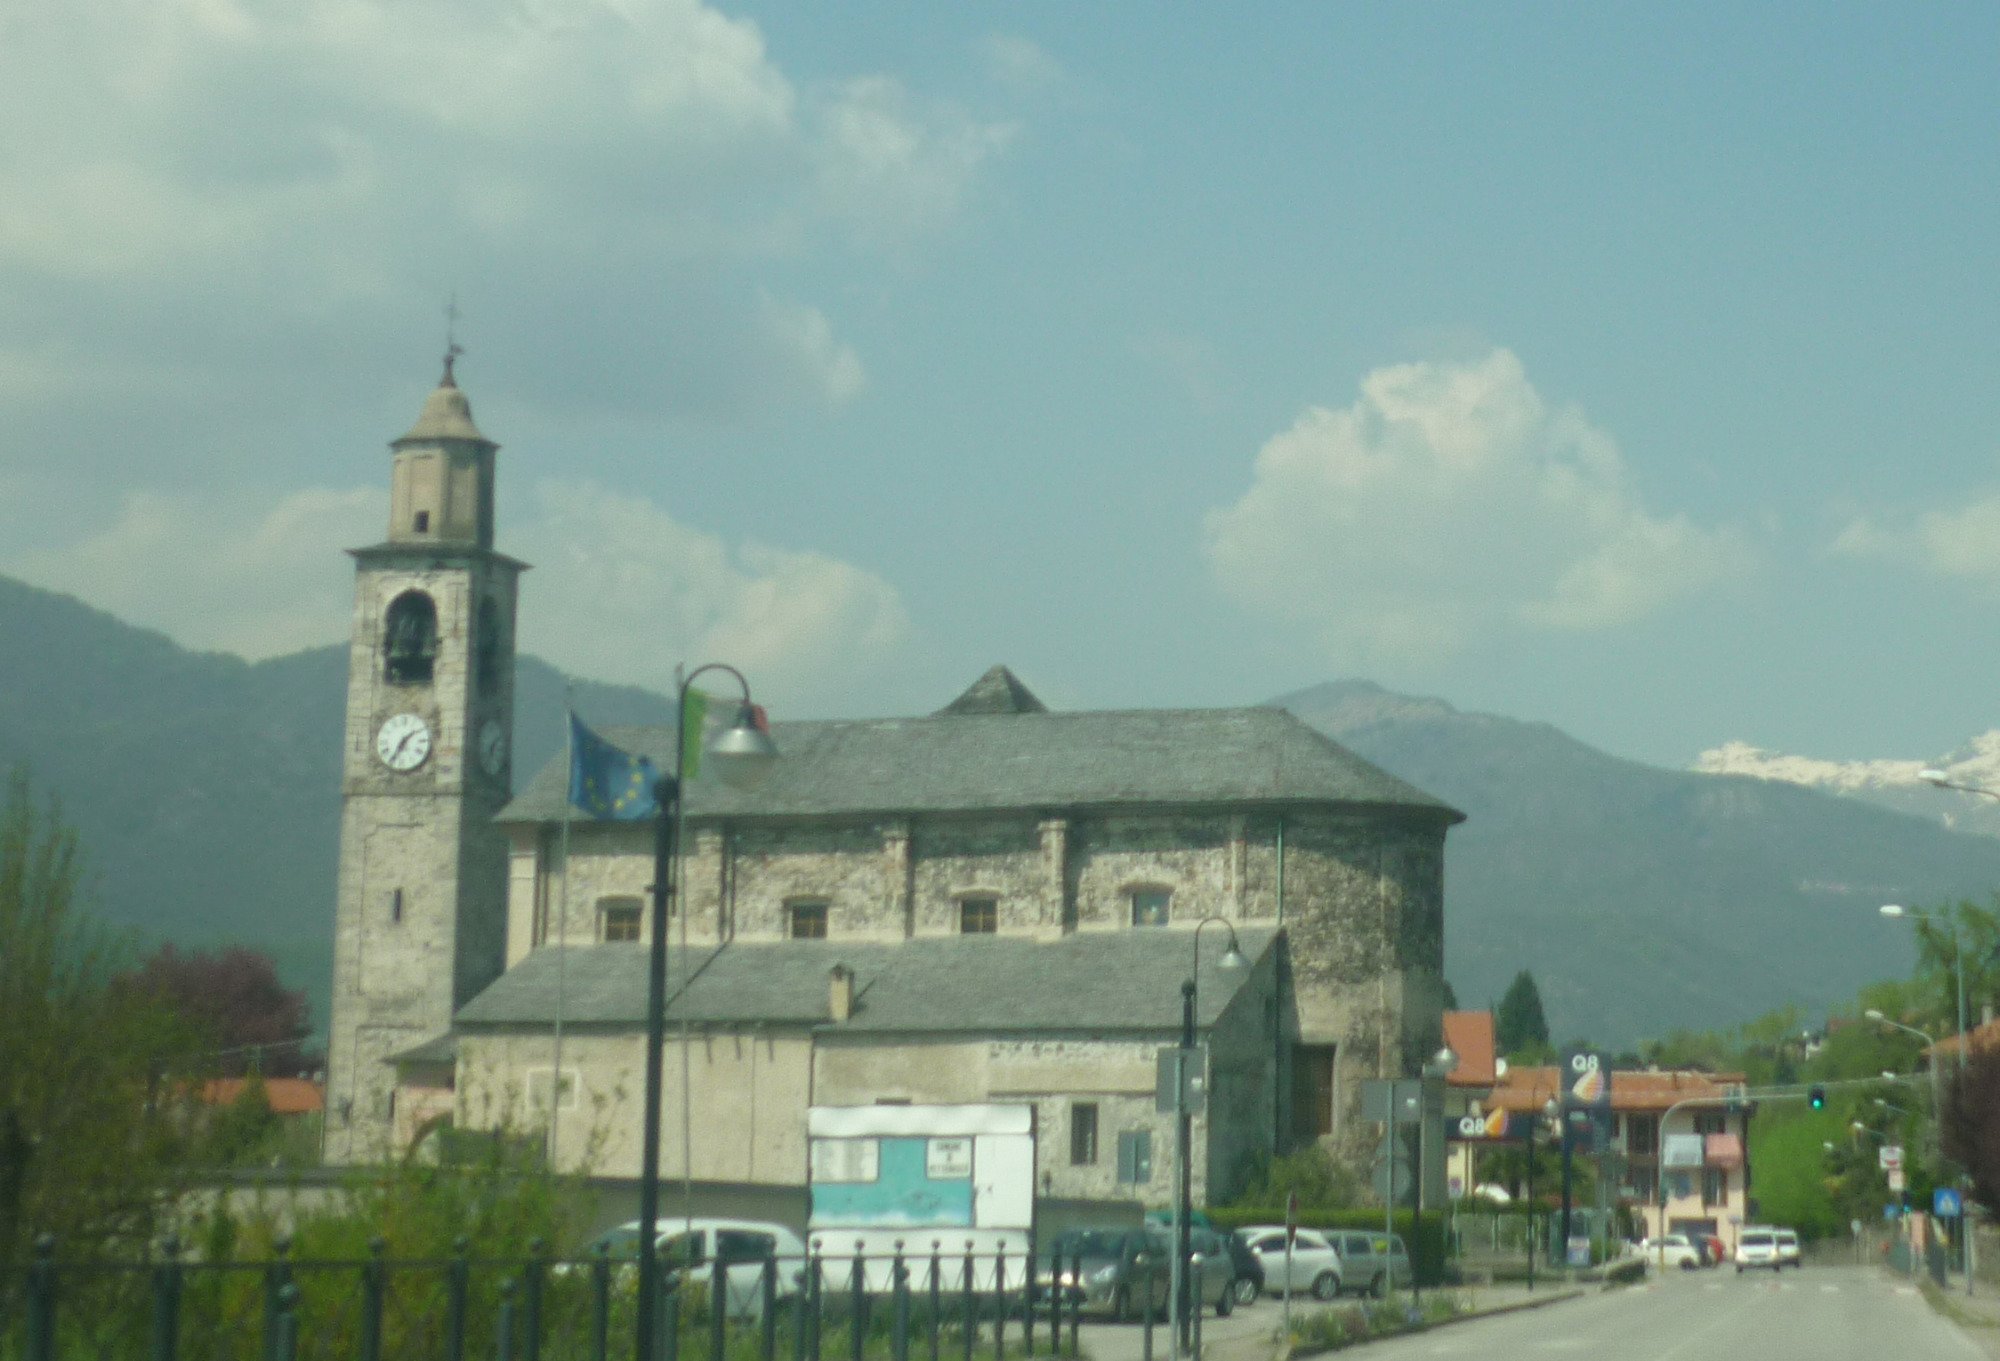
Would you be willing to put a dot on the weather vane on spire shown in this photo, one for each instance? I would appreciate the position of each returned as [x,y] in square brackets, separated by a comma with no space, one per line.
[452,349]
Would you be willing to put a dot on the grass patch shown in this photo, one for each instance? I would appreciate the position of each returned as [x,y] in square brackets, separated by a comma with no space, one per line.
[1350,1325]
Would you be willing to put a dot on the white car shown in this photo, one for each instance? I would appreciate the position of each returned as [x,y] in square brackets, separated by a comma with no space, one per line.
[1315,1266]
[1758,1247]
[1674,1249]
[1788,1248]
[695,1246]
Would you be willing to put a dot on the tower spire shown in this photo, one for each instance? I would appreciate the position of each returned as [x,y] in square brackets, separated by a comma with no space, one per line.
[452,349]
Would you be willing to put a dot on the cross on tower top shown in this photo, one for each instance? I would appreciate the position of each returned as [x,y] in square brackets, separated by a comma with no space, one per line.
[452,349]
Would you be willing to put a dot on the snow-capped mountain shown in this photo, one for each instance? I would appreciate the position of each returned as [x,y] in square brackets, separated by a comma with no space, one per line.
[1890,783]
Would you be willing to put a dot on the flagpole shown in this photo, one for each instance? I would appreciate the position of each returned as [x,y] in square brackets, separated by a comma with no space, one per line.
[562,931]
[681,906]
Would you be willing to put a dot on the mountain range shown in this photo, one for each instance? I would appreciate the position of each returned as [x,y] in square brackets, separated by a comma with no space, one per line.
[206,791]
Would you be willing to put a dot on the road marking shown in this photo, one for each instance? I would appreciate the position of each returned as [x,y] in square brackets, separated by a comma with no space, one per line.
[1829,1290]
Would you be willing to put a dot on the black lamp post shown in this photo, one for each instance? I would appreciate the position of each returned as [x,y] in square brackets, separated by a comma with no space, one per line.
[1232,959]
[742,756]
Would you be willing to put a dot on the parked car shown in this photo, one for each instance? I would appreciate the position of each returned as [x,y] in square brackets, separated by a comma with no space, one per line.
[1788,1248]
[1313,1263]
[1673,1249]
[1372,1263]
[1127,1270]
[1758,1248]
[694,1246]
[1247,1266]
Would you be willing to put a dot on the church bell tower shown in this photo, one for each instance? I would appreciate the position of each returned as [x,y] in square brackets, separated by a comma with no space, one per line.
[420,919]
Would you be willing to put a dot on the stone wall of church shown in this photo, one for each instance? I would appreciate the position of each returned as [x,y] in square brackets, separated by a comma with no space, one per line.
[747,1092]
[1363,896]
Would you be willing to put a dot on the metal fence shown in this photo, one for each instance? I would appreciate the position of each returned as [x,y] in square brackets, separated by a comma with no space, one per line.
[927,1305]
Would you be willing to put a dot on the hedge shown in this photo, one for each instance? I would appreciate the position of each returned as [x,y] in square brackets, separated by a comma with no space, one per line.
[1426,1246]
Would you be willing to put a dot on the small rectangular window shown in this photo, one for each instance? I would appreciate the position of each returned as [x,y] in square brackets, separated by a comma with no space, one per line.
[1135,1157]
[1714,1185]
[618,920]
[395,904]
[1083,1134]
[423,521]
[1642,1134]
[978,916]
[1150,906]
[807,921]
[1709,1122]
[1312,1091]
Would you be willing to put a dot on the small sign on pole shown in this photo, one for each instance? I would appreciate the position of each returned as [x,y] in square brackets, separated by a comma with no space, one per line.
[1945,1203]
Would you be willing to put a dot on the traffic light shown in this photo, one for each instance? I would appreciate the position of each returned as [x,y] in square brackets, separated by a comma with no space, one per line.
[1816,1098]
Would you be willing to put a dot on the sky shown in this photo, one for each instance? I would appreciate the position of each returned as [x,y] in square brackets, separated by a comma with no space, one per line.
[1626,368]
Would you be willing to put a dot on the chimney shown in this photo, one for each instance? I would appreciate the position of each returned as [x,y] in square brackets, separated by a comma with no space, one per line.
[840,992]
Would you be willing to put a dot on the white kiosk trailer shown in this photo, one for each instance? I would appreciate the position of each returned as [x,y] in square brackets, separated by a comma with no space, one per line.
[943,1179]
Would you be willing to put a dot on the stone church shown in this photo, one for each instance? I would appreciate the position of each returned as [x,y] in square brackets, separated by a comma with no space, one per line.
[992,902]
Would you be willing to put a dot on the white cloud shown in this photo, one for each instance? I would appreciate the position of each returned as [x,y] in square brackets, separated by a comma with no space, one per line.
[245,161]
[1447,504]
[621,590]
[1963,542]
[221,575]
[1021,64]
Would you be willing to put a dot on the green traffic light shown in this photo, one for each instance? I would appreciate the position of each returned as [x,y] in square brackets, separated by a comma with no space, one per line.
[1817,1098]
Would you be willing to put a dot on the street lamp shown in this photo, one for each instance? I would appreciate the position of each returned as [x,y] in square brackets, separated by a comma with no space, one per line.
[1441,1065]
[741,756]
[1232,960]
[1899,912]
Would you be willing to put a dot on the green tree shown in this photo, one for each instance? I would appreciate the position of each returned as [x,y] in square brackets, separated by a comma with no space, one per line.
[1519,1027]
[87,1072]
[1940,956]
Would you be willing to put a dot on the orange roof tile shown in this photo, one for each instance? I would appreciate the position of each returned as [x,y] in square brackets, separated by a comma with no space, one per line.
[1529,1089]
[287,1095]
[1470,1035]
[1979,1039]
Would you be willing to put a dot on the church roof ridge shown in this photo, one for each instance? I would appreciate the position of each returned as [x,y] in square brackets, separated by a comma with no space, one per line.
[948,762]
[1126,980]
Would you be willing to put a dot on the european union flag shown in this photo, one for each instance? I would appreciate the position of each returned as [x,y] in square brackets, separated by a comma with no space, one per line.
[607,781]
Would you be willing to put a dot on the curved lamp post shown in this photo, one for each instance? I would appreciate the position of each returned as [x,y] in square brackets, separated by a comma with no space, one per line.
[1232,960]
[1897,912]
[1441,1065]
[741,756]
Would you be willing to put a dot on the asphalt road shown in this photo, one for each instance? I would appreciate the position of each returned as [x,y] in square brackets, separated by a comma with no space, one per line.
[1818,1314]
[1830,1313]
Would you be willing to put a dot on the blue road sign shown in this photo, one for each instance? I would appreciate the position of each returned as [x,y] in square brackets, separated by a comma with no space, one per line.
[1945,1203]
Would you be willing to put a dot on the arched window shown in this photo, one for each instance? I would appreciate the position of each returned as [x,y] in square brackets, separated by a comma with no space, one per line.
[488,650]
[410,639]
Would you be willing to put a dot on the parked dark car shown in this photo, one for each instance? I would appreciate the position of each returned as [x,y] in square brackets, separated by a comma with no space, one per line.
[1125,1271]
[1248,1268]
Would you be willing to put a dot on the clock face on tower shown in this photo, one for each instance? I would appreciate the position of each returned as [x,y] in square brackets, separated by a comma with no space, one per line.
[403,742]
[492,746]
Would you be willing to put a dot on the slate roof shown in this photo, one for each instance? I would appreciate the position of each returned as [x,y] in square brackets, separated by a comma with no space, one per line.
[969,762]
[1119,981]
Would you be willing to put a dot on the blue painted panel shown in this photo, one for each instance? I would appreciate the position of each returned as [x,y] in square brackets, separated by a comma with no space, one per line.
[902,1194]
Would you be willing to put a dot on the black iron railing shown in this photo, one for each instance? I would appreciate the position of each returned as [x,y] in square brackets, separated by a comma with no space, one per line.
[930,1305]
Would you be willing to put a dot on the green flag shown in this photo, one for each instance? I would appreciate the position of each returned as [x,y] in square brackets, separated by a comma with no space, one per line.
[694,724]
